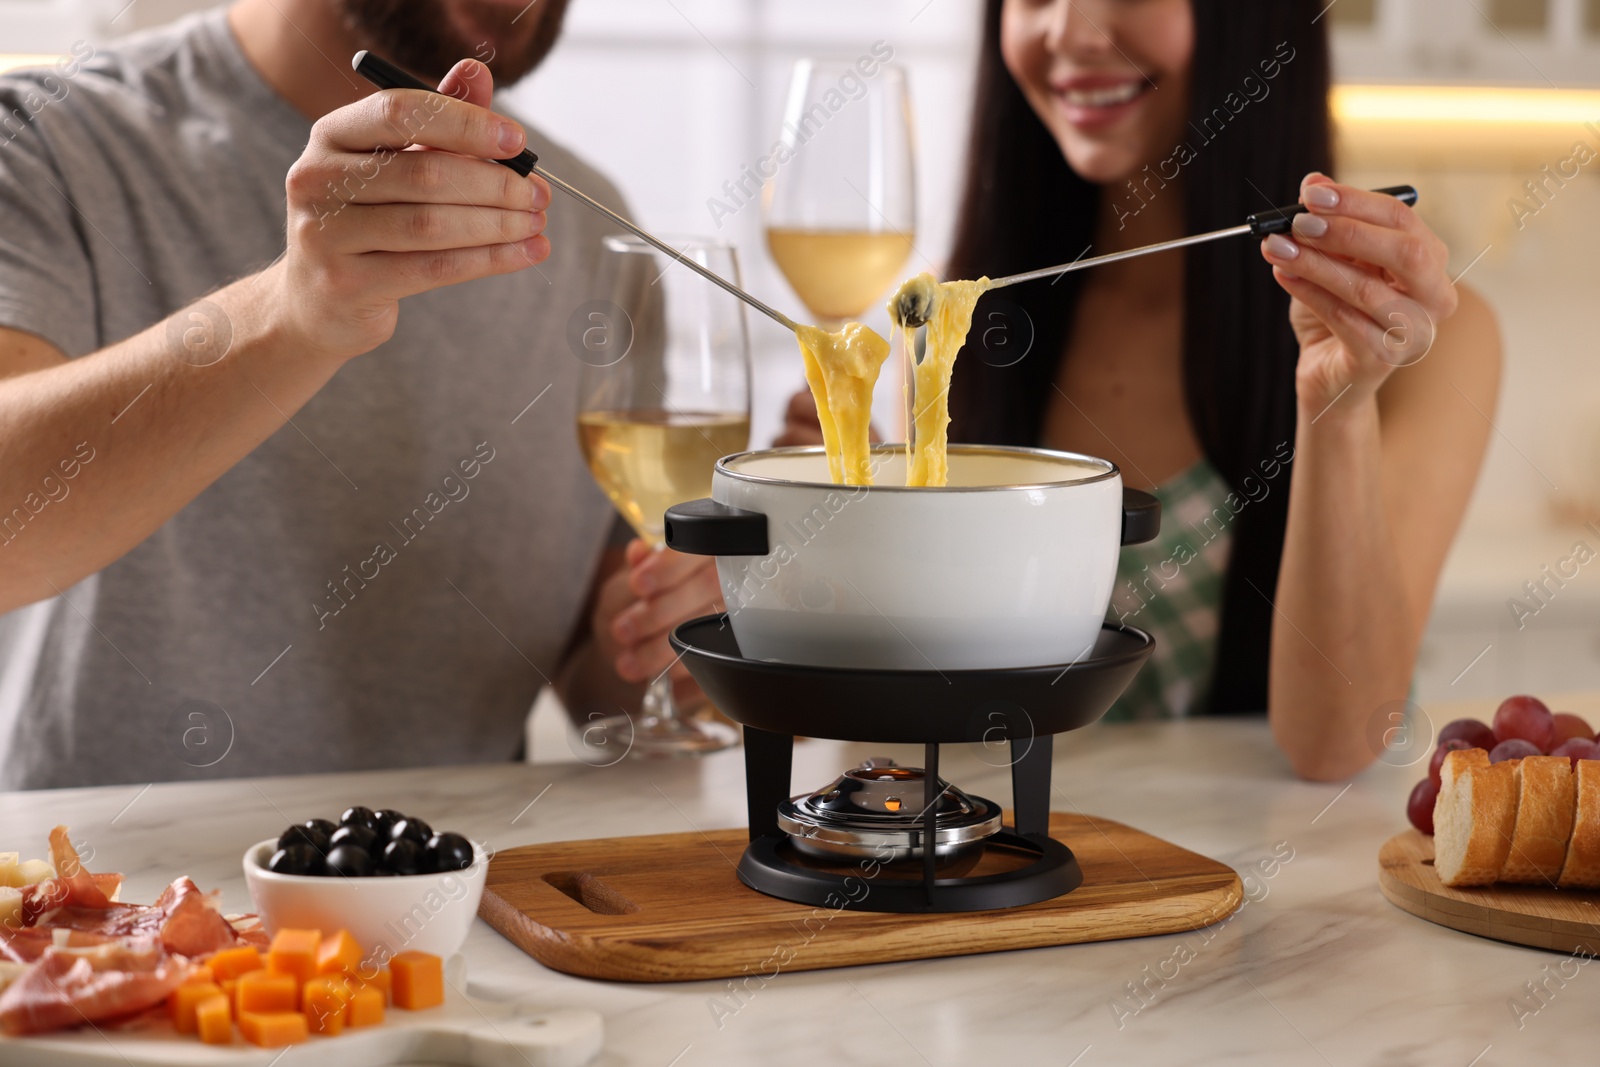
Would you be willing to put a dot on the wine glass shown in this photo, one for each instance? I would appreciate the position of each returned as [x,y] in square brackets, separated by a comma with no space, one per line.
[840,211]
[664,394]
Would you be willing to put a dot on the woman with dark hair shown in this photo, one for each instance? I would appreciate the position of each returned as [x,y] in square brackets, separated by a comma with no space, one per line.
[1312,466]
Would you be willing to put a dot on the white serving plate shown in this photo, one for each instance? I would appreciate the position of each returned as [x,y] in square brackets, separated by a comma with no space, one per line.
[463,1030]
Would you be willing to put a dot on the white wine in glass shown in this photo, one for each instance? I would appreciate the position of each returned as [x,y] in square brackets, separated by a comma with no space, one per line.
[840,213]
[648,459]
[666,395]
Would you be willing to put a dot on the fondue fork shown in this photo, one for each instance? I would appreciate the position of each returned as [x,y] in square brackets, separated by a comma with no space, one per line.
[912,310]
[386,75]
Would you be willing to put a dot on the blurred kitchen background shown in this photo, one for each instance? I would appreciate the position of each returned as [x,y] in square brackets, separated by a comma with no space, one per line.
[1467,99]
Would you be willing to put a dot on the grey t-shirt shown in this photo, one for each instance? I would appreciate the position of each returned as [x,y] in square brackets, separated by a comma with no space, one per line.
[384,582]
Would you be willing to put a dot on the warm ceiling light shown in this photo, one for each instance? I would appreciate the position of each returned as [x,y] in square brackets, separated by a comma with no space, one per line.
[11,62]
[1472,127]
[1472,104]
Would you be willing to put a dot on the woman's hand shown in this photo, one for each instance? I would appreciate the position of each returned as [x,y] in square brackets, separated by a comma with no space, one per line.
[641,603]
[1370,288]
[800,425]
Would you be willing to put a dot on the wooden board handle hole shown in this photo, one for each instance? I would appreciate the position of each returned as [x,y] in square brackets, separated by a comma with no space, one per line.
[587,889]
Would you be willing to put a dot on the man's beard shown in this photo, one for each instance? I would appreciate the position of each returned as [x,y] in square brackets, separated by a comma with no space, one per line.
[421,35]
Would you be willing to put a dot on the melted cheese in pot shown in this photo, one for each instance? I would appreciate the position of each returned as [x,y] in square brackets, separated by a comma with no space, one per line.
[842,369]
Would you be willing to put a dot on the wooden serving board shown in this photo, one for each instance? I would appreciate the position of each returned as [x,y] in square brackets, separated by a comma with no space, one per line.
[1539,916]
[463,1030]
[670,907]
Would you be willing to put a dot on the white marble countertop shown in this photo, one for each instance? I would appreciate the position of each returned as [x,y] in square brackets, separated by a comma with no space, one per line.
[1316,968]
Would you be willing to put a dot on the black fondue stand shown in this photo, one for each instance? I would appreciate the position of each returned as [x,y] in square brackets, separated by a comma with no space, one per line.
[1023,707]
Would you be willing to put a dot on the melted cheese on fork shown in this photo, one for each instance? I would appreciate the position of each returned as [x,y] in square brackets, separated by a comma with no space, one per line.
[948,322]
[842,369]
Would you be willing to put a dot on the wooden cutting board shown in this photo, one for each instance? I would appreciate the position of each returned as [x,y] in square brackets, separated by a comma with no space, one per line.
[669,907]
[1560,919]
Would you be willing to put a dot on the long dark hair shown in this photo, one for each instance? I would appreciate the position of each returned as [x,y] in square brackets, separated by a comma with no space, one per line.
[1023,207]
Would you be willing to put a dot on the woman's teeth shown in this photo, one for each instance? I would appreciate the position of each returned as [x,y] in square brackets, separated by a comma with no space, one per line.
[1106,97]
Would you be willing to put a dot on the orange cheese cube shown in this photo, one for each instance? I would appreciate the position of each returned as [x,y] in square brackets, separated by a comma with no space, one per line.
[214,1020]
[418,980]
[323,1001]
[230,989]
[295,952]
[382,979]
[365,1007]
[340,952]
[232,962]
[262,992]
[181,1003]
[199,974]
[273,1029]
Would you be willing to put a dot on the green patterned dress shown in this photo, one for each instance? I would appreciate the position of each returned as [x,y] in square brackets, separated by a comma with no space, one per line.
[1172,588]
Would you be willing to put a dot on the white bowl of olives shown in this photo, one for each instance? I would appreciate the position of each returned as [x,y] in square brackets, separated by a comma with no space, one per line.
[384,876]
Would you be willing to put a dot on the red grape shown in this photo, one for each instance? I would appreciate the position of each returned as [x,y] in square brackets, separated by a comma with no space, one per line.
[1419,807]
[1473,732]
[1570,725]
[1513,748]
[1527,718]
[1436,765]
[1577,748]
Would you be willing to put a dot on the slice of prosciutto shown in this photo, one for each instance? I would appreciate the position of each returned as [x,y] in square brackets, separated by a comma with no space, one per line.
[182,919]
[72,887]
[68,987]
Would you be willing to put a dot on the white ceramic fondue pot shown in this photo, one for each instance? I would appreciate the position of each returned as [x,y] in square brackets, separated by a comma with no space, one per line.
[1009,565]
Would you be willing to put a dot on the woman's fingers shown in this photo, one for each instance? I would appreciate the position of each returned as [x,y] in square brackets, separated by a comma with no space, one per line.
[800,423]
[652,618]
[1416,260]
[1353,283]
[1354,328]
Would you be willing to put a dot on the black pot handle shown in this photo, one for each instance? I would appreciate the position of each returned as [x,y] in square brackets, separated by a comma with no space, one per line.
[706,528]
[1141,517]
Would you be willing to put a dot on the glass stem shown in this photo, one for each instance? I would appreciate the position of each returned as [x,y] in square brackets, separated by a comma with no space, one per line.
[659,701]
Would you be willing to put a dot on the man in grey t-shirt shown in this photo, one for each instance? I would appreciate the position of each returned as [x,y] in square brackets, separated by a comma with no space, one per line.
[277,494]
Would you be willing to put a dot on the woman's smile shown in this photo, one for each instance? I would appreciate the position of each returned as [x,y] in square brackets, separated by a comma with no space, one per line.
[1096,101]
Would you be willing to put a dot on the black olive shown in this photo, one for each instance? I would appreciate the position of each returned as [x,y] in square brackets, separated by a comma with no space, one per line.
[384,822]
[405,856]
[305,835]
[412,829]
[323,826]
[296,859]
[363,837]
[358,816]
[350,861]
[450,852]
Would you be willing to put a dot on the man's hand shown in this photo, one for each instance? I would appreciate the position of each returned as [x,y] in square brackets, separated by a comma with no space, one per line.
[639,605]
[398,194]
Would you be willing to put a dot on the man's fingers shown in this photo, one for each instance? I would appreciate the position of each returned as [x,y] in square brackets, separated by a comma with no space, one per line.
[398,118]
[666,569]
[418,272]
[426,178]
[431,227]
[651,619]
[469,81]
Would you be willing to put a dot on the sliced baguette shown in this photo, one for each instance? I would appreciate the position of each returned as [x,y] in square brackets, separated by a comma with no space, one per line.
[1545,802]
[1474,818]
[1582,867]
[1452,824]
